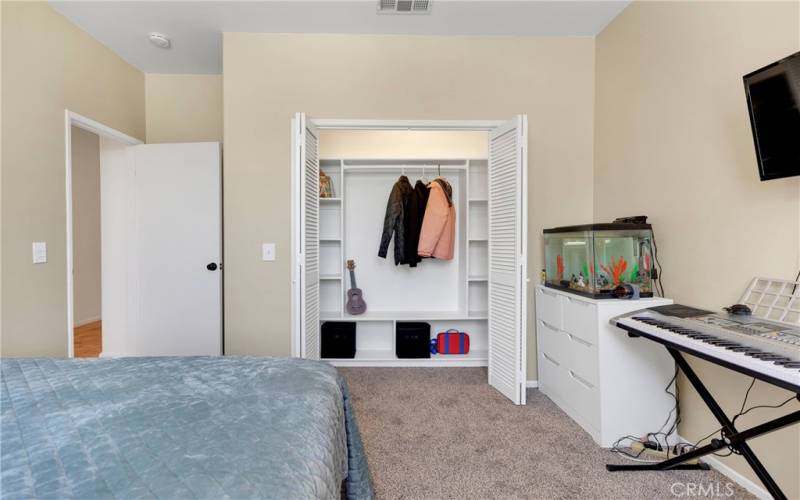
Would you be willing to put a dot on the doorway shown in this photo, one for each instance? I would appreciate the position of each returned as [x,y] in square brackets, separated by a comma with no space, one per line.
[144,245]
[86,247]
[84,139]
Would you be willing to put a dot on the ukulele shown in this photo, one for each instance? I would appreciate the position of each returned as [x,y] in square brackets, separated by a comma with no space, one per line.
[355,297]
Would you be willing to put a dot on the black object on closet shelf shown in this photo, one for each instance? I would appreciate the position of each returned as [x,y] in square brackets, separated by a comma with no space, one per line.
[413,339]
[338,339]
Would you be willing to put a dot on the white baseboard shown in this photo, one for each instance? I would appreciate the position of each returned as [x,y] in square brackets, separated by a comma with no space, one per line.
[532,384]
[106,354]
[727,471]
[751,486]
[86,321]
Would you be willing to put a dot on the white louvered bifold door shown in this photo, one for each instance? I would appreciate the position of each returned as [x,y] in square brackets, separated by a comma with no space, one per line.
[308,245]
[507,258]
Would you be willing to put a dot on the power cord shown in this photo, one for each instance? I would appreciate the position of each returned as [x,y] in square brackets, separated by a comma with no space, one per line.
[646,442]
[660,273]
[742,412]
[681,448]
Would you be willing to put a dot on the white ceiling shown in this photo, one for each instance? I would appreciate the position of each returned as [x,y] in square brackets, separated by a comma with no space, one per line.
[196,27]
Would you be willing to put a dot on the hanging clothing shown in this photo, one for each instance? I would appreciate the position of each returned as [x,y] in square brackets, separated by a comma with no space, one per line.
[438,233]
[414,211]
[394,221]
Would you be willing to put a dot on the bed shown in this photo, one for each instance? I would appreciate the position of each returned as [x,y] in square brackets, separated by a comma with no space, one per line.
[196,427]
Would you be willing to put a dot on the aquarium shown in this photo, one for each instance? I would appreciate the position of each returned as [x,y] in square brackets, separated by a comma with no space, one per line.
[593,259]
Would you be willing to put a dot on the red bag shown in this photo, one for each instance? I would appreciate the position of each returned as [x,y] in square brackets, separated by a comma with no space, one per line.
[452,342]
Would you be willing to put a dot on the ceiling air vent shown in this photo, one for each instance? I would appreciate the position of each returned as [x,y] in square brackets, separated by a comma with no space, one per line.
[404,6]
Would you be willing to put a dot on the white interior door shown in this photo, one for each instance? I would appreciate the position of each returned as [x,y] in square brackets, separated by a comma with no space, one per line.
[305,152]
[508,258]
[168,242]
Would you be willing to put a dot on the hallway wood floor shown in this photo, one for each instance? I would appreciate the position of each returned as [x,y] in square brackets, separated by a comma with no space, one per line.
[88,340]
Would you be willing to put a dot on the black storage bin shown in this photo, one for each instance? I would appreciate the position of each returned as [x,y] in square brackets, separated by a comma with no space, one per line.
[338,339]
[413,340]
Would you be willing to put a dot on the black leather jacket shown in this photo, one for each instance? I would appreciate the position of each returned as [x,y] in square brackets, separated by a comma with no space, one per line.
[394,220]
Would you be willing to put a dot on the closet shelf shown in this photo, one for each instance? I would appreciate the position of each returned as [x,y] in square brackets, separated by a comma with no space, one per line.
[330,240]
[478,278]
[375,357]
[478,240]
[330,277]
[406,316]
[330,200]
[479,200]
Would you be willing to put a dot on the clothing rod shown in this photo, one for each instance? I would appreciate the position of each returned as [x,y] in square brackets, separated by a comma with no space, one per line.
[407,167]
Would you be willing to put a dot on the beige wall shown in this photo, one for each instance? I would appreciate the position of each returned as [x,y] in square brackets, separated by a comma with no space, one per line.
[183,108]
[85,225]
[48,65]
[673,141]
[269,77]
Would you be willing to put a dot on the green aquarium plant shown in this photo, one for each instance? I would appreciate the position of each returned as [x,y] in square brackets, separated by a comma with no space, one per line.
[634,274]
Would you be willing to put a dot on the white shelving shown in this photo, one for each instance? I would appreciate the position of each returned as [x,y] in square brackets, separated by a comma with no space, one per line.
[386,357]
[350,228]
[408,316]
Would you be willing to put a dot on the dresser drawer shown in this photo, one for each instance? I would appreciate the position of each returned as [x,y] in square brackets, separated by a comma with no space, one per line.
[552,377]
[583,397]
[553,342]
[548,307]
[582,358]
[580,319]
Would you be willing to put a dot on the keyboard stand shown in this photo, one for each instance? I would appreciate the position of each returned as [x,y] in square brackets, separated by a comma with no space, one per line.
[731,437]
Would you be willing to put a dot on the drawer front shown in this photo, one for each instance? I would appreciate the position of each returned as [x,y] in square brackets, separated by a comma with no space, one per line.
[552,342]
[552,379]
[583,397]
[548,307]
[580,319]
[583,357]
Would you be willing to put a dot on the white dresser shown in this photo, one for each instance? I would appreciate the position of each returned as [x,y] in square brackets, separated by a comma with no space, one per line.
[610,384]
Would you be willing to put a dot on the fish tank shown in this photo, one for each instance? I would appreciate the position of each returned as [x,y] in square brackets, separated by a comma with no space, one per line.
[593,259]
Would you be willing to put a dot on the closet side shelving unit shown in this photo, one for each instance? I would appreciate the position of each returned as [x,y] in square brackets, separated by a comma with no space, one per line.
[376,328]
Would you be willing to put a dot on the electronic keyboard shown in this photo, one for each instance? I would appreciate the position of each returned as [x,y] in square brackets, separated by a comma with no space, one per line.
[766,350]
[763,349]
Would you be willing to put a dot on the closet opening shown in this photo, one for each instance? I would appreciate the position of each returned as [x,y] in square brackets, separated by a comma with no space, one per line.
[350,180]
[86,142]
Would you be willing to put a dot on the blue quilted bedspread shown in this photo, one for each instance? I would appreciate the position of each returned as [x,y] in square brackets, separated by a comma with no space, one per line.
[202,427]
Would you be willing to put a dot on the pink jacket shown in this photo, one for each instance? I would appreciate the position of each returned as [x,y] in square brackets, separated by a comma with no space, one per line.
[438,231]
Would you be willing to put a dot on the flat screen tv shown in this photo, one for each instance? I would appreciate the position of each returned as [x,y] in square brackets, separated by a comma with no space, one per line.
[773,98]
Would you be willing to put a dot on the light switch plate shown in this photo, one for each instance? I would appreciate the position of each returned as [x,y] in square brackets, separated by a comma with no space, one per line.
[268,252]
[39,252]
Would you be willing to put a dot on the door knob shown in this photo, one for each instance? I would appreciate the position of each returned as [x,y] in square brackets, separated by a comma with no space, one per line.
[212,266]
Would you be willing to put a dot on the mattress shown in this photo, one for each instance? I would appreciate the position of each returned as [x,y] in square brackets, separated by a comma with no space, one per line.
[191,427]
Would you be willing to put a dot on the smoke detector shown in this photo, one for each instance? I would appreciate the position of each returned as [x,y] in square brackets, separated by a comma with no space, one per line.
[159,40]
[404,6]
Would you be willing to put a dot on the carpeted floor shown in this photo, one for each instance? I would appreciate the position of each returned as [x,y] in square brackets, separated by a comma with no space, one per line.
[445,433]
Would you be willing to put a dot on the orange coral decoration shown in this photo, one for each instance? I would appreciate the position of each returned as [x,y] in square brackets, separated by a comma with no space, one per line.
[560,266]
[617,268]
